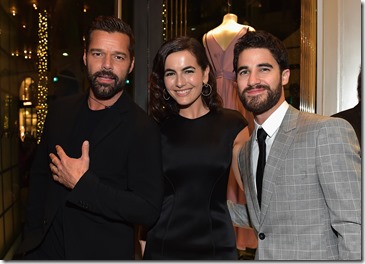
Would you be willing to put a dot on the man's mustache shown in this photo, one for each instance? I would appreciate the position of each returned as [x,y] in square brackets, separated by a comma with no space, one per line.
[107,74]
[256,86]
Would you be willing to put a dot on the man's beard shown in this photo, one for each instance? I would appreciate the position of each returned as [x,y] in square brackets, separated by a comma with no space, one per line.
[104,91]
[259,104]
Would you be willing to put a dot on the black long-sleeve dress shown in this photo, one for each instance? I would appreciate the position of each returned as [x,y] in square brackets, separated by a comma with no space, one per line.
[195,222]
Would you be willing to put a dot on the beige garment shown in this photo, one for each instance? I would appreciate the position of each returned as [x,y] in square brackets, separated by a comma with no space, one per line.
[219,44]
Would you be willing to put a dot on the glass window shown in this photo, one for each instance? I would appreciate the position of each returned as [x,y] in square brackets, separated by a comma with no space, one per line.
[281,18]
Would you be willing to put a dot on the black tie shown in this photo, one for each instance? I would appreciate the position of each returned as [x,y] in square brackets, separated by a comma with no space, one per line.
[261,136]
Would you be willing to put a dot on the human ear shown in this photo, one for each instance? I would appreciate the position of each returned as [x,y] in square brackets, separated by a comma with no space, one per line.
[285,75]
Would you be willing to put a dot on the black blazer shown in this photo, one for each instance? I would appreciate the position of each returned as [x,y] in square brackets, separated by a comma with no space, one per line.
[123,186]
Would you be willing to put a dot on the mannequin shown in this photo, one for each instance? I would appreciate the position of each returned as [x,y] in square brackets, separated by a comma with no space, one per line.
[219,44]
[227,30]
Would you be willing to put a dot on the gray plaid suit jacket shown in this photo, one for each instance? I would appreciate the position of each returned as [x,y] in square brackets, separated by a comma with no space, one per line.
[311,197]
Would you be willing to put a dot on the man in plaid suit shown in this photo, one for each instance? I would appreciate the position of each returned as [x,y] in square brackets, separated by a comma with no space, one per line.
[311,188]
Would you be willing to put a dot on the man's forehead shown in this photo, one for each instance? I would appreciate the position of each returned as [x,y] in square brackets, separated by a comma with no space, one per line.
[256,56]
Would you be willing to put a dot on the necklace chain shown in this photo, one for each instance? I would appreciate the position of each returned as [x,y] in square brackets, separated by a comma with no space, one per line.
[106,106]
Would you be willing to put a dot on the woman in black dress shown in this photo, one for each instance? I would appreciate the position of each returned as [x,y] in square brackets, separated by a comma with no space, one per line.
[199,139]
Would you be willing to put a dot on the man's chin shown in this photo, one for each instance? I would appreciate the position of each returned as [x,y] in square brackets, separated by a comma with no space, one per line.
[107,96]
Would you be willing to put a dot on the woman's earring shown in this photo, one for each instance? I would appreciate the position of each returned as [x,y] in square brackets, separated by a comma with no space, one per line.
[205,93]
[165,95]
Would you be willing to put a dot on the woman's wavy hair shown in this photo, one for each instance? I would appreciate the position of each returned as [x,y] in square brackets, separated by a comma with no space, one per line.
[160,108]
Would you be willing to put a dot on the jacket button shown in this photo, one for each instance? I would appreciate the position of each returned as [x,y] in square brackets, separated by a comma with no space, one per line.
[262,236]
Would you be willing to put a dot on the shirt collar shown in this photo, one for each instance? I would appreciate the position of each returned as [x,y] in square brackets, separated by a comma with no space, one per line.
[274,121]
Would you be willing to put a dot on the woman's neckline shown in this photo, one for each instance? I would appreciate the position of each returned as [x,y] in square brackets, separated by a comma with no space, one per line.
[197,118]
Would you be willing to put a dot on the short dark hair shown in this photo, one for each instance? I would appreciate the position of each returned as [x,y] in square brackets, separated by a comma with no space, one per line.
[111,24]
[262,39]
[158,106]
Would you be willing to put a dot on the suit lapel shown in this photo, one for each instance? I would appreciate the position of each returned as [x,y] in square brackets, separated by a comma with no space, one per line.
[252,183]
[277,156]
[249,183]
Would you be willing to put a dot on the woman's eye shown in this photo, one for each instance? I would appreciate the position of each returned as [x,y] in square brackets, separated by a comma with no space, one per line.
[243,72]
[169,74]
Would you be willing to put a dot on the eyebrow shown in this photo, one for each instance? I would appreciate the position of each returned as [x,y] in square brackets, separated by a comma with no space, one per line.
[115,52]
[185,68]
[259,66]
[265,65]
[93,49]
[242,68]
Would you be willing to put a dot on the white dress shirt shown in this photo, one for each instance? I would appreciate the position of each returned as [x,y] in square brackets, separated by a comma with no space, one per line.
[271,127]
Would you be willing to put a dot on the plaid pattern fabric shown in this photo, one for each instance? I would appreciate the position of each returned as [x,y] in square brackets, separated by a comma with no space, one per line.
[311,187]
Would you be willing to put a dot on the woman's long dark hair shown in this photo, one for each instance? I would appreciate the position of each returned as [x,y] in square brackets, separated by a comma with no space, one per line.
[160,108]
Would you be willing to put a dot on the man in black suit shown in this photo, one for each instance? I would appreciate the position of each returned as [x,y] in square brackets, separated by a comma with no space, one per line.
[353,115]
[97,172]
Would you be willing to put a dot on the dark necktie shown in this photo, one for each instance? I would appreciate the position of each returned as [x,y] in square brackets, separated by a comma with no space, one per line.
[261,136]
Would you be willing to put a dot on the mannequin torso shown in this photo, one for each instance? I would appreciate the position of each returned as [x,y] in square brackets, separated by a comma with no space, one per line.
[227,30]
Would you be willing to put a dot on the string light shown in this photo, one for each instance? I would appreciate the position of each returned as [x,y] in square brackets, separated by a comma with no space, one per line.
[13,11]
[42,54]
[164,20]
